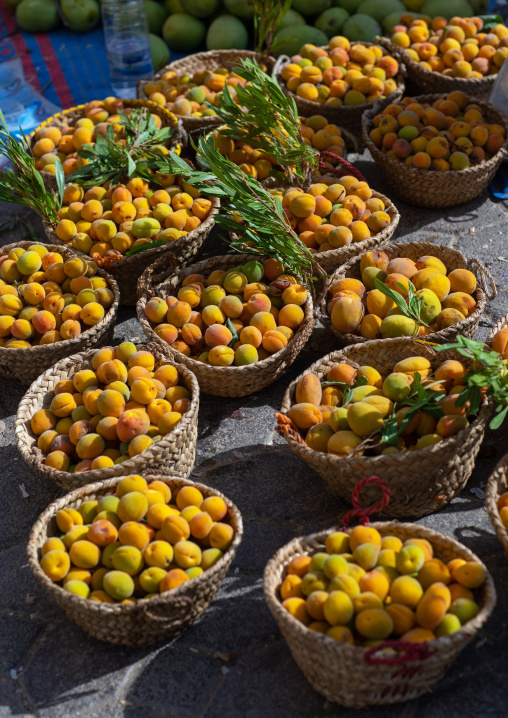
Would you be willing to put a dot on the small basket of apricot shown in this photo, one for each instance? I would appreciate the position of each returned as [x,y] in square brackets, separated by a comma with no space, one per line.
[376,614]
[437,150]
[135,560]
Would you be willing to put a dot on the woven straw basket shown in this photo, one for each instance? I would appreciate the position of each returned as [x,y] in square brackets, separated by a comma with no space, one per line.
[496,487]
[501,324]
[421,80]
[393,671]
[127,270]
[25,365]
[211,60]
[420,482]
[149,620]
[434,188]
[334,258]
[220,381]
[349,116]
[452,258]
[169,119]
[174,454]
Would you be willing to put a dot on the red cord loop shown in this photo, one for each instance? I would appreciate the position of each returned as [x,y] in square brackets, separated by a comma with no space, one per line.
[406,652]
[347,167]
[363,512]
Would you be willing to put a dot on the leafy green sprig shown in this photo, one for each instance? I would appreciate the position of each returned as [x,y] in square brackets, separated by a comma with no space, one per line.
[412,307]
[488,372]
[267,17]
[110,161]
[25,185]
[347,389]
[261,115]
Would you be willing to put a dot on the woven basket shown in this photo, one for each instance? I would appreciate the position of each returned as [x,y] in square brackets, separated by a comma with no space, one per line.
[349,116]
[500,324]
[420,80]
[220,381]
[127,270]
[452,258]
[420,482]
[334,258]
[496,486]
[169,119]
[433,188]
[25,365]
[174,454]
[149,620]
[211,60]
[357,677]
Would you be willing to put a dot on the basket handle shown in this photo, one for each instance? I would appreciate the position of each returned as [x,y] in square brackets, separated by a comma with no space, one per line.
[363,512]
[407,652]
[180,607]
[279,64]
[286,427]
[155,274]
[347,167]
[475,266]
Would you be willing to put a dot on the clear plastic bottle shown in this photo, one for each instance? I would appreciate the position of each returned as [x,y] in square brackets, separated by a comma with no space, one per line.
[127,44]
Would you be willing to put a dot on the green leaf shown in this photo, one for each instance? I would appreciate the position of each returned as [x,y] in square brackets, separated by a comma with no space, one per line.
[229,324]
[498,420]
[60,178]
[142,247]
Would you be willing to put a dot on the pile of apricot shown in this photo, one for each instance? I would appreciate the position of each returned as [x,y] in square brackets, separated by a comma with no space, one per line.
[318,132]
[141,541]
[364,588]
[336,421]
[109,220]
[358,307]
[333,216]
[253,162]
[454,48]
[185,95]
[450,134]
[63,140]
[238,317]
[342,74]
[45,299]
[110,413]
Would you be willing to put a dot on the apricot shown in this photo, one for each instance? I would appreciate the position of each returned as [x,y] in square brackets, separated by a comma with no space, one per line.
[56,564]
[406,590]
[465,609]
[470,574]
[364,418]
[118,585]
[347,314]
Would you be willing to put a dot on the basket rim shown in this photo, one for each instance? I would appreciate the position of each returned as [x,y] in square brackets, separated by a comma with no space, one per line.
[417,68]
[399,77]
[338,461]
[380,156]
[190,362]
[271,586]
[492,494]
[42,523]
[30,454]
[325,318]
[109,315]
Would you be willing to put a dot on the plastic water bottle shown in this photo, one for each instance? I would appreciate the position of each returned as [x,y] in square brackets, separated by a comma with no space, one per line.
[127,44]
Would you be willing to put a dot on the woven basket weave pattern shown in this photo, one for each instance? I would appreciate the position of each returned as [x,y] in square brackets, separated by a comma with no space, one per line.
[223,381]
[174,454]
[211,60]
[432,188]
[420,482]
[348,116]
[25,365]
[496,487]
[342,673]
[420,80]
[148,620]
[452,258]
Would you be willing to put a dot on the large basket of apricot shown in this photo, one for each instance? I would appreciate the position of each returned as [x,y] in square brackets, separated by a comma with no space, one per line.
[406,289]
[101,414]
[437,150]
[52,304]
[376,614]
[236,327]
[392,410]
[443,55]
[135,560]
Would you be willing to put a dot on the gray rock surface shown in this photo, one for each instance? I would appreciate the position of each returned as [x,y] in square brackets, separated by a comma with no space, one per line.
[233,663]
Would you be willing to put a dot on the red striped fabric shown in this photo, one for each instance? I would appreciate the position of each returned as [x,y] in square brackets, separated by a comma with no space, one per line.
[62,89]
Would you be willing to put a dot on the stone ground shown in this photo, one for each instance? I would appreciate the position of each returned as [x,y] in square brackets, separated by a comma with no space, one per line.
[233,662]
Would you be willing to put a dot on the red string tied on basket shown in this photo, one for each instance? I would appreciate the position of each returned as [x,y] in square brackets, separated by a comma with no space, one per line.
[363,512]
[287,427]
[406,652]
[347,167]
